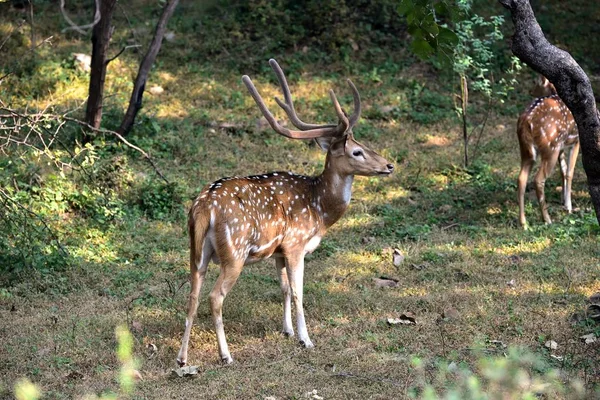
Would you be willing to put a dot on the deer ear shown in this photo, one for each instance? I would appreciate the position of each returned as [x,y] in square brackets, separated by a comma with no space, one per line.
[335,145]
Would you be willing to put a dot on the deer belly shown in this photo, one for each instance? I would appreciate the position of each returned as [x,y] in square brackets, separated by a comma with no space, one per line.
[312,244]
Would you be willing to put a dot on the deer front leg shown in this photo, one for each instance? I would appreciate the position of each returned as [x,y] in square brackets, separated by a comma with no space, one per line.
[546,167]
[288,329]
[295,273]
[570,172]
[230,271]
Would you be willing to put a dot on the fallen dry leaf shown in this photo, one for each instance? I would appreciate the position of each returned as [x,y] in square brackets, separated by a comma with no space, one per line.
[419,267]
[551,344]
[368,239]
[136,326]
[514,259]
[589,338]
[407,318]
[137,376]
[383,282]
[497,343]
[151,350]
[397,257]
[313,395]
[557,358]
[190,370]
[511,283]
[593,312]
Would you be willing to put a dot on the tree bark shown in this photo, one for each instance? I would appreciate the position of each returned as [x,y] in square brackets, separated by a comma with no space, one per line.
[101,34]
[571,82]
[135,102]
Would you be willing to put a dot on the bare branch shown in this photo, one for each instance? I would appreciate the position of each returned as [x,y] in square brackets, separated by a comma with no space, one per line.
[80,28]
[121,52]
[28,211]
[10,72]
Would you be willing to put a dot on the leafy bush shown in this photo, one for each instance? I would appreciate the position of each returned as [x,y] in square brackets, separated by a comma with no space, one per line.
[158,200]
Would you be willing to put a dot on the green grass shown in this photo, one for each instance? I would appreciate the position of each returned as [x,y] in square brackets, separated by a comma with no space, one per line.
[125,231]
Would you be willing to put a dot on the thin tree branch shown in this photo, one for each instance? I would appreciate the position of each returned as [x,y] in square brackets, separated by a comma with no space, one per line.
[121,52]
[47,40]
[123,140]
[28,211]
[79,28]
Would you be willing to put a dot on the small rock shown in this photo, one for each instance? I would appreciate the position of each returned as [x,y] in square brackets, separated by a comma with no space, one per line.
[156,90]
[384,282]
[511,283]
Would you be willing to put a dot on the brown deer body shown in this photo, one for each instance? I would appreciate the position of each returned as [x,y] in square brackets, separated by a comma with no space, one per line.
[237,221]
[546,129]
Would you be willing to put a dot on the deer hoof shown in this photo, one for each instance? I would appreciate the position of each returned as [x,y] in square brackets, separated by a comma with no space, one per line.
[307,344]
[227,360]
[288,333]
[181,362]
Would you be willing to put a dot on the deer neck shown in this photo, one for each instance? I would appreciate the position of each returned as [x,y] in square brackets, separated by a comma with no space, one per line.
[333,191]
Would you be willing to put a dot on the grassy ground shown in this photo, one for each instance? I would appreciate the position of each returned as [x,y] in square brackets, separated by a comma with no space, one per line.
[456,227]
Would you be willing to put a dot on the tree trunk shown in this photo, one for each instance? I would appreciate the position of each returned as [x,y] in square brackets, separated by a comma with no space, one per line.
[135,102]
[101,34]
[571,82]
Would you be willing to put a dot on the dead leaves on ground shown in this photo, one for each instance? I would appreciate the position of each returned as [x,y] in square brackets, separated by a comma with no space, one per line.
[185,372]
[407,318]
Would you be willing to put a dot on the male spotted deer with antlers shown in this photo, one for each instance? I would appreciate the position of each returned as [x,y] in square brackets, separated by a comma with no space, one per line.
[238,221]
[546,128]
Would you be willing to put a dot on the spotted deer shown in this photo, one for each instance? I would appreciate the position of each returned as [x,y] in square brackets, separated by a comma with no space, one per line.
[240,220]
[546,128]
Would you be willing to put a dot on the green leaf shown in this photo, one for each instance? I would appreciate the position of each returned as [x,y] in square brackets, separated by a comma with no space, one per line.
[405,7]
[421,48]
[429,25]
[447,37]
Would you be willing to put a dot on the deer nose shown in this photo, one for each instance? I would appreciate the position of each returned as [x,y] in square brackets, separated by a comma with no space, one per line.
[390,167]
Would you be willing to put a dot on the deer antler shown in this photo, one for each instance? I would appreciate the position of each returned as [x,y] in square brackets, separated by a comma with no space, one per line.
[307,131]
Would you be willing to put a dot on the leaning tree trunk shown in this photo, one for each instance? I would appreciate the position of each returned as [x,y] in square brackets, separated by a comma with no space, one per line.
[101,35]
[571,82]
[135,102]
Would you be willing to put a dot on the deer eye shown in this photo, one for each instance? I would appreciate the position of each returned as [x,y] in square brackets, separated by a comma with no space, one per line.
[358,153]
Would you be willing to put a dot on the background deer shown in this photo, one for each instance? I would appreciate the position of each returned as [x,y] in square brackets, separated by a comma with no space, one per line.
[546,128]
[237,221]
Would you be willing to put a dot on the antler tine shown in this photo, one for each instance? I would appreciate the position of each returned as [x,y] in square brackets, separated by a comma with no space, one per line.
[356,96]
[326,131]
[288,106]
[338,110]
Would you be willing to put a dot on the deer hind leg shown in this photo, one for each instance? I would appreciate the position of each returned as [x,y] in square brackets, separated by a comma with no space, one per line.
[526,164]
[230,271]
[295,273]
[198,268]
[564,171]
[569,180]
[288,329]
[546,167]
